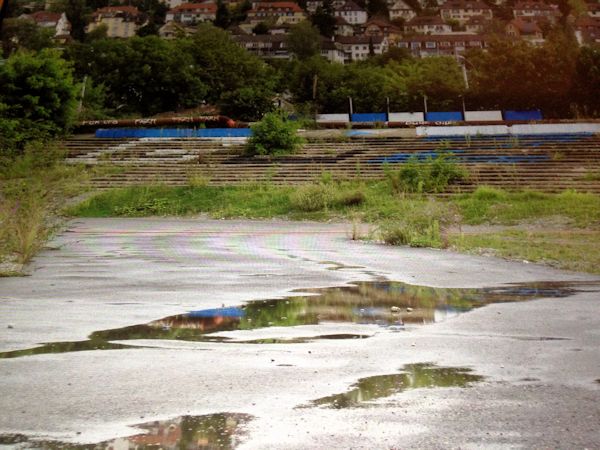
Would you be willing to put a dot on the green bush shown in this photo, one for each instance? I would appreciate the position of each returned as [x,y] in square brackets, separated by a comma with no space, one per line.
[432,175]
[273,135]
[37,98]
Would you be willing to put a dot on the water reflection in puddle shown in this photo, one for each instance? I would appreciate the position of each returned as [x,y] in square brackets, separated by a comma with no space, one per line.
[390,305]
[210,432]
[413,376]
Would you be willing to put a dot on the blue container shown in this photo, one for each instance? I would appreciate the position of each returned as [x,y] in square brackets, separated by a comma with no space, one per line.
[369,117]
[121,133]
[534,114]
[444,116]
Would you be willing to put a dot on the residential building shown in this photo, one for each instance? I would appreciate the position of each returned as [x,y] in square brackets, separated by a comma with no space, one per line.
[312,5]
[442,44]
[351,12]
[593,9]
[192,13]
[332,50]
[172,30]
[587,30]
[463,10]
[55,21]
[378,26]
[401,10]
[173,3]
[276,13]
[427,25]
[477,24]
[343,28]
[120,21]
[264,45]
[536,10]
[358,48]
[527,30]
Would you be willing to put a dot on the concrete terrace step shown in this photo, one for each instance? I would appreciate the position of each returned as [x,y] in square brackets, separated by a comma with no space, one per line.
[545,163]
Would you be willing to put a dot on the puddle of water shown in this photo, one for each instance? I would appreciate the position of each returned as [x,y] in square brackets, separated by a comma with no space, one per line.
[390,305]
[210,432]
[413,376]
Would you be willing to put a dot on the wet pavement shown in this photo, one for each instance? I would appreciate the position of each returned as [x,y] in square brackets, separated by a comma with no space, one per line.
[289,335]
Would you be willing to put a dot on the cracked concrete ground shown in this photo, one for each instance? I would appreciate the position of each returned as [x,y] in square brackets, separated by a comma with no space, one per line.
[539,359]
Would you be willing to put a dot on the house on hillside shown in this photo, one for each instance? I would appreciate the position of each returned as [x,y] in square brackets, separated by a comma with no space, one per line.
[463,10]
[378,26]
[192,13]
[587,30]
[358,48]
[527,30]
[120,21]
[58,22]
[276,13]
[264,45]
[313,5]
[535,10]
[477,24]
[401,10]
[442,44]
[351,12]
[593,10]
[343,28]
[427,25]
[172,30]
[332,51]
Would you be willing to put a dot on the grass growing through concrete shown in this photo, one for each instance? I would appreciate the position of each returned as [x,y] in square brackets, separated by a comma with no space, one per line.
[34,187]
[560,229]
[566,249]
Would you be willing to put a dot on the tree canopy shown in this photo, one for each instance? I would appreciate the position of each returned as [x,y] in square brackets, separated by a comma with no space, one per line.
[37,98]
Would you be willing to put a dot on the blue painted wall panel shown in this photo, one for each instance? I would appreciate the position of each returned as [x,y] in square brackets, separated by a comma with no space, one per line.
[369,117]
[444,116]
[120,133]
[535,114]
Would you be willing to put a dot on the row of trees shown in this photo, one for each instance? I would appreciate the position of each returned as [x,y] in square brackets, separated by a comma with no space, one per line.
[147,75]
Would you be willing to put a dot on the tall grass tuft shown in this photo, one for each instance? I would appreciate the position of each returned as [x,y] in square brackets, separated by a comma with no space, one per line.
[23,227]
[432,175]
[420,226]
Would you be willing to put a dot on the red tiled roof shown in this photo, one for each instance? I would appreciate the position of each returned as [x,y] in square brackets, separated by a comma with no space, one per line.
[45,16]
[445,37]
[464,4]
[426,20]
[525,26]
[349,40]
[278,5]
[587,22]
[537,6]
[349,6]
[208,7]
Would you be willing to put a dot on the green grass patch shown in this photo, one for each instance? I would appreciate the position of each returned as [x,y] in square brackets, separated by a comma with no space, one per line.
[566,249]
[494,206]
[399,219]
[33,188]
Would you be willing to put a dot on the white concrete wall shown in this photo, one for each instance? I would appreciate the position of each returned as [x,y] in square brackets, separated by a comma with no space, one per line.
[494,130]
[406,117]
[333,118]
[483,116]
[550,128]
